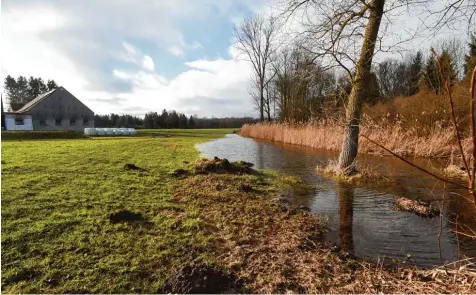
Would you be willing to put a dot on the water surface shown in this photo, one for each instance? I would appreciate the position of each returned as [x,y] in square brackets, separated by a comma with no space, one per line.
[361,218]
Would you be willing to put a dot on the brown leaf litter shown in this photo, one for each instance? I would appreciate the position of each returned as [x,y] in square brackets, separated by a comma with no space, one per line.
[281,251]
[416,206]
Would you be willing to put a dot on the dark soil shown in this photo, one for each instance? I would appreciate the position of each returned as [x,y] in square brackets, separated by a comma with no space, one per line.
[217,165]
[200,278]
[133,167]
[245,188]
[179,172]
[125,216]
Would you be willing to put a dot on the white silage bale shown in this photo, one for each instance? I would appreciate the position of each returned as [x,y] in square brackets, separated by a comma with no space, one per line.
[90,131]
[101,131]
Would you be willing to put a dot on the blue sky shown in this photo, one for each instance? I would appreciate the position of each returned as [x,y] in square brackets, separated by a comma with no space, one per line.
[133,56]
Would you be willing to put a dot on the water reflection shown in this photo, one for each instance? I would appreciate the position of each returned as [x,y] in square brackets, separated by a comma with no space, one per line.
[346,216]
[361,217]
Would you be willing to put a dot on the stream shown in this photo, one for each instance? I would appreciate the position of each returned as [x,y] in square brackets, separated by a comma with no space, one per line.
[361,218]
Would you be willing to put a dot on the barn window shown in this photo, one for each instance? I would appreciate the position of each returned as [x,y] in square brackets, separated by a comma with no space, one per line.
[85,122]
[19,121]
[58,122]
[72,122]
[42,123]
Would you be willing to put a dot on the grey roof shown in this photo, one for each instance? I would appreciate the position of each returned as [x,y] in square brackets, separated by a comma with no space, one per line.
[26,108]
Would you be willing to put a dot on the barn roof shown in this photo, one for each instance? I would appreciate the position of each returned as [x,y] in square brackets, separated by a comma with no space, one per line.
[26,108]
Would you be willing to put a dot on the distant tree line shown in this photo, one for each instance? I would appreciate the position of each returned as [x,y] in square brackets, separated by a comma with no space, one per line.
[119,121]
[168,120]
[21,90]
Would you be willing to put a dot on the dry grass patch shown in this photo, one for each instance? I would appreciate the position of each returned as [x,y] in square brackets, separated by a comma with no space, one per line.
[418,207]
[361,175]
[455,171]
[438,142]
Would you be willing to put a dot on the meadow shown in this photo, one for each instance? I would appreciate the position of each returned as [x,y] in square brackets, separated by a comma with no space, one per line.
[63,232]
[57,196]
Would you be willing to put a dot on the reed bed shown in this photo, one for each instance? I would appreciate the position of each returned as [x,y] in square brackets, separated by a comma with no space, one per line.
[438,142]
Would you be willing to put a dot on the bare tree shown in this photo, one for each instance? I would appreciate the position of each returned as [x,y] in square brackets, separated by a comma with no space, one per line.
[255,38]
[453,13]
[338,29]
[456,50]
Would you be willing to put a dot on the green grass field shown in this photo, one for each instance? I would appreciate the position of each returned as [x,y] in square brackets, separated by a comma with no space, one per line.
[214,232]
[57,196]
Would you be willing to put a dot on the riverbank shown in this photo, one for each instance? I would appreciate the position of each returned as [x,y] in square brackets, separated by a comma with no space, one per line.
[78,221]
[269,250]
[440,143]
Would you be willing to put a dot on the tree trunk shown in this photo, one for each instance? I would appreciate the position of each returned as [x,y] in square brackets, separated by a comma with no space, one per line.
[261,103]
[361,82]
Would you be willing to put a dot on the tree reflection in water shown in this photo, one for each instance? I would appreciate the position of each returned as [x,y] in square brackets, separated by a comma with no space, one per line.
[346,212]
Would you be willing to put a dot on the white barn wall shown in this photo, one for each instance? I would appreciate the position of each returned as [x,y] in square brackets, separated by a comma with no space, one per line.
[10,122]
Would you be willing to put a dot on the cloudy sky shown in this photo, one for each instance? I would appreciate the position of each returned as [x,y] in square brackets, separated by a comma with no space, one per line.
[131,56]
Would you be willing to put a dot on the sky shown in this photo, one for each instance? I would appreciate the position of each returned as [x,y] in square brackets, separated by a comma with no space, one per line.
[130,56]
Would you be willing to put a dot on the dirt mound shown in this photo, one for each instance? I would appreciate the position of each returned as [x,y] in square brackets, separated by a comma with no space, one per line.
[217,165]
[179,172]
[133,167]
[200,278]
[418,207]
[125,216]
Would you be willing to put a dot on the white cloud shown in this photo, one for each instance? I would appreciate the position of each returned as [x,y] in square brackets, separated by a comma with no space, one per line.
[82,48]
[19,42]
[197,90]
[148,63]
[176,50]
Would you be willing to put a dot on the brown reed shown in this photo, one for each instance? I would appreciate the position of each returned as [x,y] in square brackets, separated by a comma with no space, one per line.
[438,143]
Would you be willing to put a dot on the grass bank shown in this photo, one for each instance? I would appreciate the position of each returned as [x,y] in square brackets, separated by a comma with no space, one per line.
[439,143]
[75,221]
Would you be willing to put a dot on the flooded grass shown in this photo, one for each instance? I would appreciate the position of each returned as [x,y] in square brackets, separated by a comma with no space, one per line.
[363,175]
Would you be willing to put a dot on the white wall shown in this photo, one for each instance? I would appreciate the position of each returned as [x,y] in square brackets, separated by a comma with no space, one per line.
[10,122]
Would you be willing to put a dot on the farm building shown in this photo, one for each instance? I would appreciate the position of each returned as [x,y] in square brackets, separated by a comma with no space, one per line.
[57,109]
